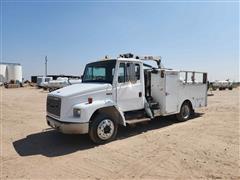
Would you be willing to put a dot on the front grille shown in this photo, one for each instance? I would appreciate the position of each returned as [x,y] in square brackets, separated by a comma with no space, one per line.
[54,105]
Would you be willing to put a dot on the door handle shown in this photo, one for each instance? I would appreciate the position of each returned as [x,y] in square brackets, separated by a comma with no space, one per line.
[140,94]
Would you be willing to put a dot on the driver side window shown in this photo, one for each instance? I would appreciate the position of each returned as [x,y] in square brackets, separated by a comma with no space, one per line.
[128,72]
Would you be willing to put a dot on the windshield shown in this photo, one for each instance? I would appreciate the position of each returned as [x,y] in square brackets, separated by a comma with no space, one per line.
[102,71]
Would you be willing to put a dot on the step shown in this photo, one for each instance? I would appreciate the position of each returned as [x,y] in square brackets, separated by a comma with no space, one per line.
[133,121]
[154,104]
[134,114]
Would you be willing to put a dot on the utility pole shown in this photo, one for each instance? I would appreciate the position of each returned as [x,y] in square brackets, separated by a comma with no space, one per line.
[46,66]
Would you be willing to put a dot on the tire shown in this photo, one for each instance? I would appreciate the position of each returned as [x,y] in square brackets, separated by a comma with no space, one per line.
[185,113]
[230,88]
[103,128]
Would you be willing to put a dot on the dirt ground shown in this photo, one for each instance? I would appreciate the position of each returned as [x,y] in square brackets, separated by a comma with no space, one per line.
[205,147]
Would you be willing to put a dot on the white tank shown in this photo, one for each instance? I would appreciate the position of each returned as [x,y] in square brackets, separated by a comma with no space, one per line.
[3,77]
[14,72]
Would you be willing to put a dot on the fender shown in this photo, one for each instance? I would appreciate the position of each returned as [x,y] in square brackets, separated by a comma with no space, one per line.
[180,105]
[88,109]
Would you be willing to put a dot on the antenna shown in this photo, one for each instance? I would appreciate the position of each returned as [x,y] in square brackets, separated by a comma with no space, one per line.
[46,66]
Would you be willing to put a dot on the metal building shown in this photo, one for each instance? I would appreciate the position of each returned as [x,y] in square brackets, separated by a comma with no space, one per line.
[10,71]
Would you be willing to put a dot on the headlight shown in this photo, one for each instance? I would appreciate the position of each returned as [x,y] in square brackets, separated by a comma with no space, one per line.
[76,112]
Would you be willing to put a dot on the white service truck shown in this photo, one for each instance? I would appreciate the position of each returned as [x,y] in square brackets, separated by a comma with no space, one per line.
[121,91]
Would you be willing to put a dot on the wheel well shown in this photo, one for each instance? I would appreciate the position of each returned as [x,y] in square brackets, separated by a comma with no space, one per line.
[188,102]
[111,111]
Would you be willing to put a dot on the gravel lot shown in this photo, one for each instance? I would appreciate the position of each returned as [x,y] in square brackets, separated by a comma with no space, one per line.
[205,147]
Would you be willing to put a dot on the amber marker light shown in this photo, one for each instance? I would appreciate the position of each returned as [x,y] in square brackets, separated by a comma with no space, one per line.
[90,100]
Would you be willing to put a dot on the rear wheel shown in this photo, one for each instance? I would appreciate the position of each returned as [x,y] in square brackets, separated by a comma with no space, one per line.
[103,129]
[185,112]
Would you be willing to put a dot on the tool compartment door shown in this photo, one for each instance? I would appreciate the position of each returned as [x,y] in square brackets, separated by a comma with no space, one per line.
[171,92]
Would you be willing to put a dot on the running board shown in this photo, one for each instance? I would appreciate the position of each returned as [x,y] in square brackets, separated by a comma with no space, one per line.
[133,121]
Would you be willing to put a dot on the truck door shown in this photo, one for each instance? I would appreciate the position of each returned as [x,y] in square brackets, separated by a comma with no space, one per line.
[130,89]
[171,92]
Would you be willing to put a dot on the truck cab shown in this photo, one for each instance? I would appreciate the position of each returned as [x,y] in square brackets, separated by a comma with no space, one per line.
[121,91]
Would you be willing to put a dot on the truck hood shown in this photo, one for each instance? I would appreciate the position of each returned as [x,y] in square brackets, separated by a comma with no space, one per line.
[82,88]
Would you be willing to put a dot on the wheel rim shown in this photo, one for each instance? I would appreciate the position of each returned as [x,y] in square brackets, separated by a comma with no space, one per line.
[105,129]
[185,111]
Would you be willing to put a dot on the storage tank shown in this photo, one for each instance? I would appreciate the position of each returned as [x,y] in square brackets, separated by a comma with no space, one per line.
[3,77]
[14,72]
[10,71]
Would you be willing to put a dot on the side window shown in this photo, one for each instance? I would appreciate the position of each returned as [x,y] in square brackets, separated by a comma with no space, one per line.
[193,77]
[128,72]
[121,73]
[131,73]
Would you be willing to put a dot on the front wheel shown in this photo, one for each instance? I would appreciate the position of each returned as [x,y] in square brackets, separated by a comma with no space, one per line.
[103,129]
[185,112]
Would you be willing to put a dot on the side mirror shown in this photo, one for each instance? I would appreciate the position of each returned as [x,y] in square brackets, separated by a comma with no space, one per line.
[162,73]
[204,78]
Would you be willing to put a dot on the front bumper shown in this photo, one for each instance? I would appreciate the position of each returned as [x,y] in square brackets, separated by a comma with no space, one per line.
[66,127]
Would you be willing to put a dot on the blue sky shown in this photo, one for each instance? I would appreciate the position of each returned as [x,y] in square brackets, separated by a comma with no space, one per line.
[200,36]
